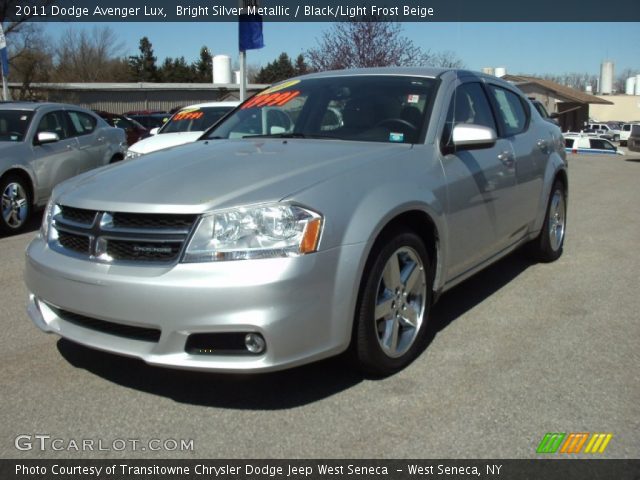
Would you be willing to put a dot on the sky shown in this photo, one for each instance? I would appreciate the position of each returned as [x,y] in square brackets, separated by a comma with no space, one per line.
[526,48]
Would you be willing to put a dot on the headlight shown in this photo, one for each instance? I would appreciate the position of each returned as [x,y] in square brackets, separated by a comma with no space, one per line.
[255,232]
[46,219]
[131,154]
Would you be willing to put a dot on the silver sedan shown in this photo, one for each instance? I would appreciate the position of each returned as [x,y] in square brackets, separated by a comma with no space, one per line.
[326,213]
[42,144]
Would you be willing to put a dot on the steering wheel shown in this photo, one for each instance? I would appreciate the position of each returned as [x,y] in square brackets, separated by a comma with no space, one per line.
[397,122]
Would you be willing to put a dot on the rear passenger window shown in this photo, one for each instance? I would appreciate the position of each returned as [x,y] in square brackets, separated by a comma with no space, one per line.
[601,144]
[568,142]
[82,123]
[510,110]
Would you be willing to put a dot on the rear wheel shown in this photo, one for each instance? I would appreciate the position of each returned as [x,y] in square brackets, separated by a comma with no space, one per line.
[393,305]
[548,246]
[15,204]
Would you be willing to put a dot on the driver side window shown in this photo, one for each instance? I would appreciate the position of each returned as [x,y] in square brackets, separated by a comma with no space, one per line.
[53,122]
[469,104]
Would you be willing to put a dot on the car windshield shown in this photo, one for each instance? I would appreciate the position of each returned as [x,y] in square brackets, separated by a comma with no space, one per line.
[194,119]
[14,125]
[375,108]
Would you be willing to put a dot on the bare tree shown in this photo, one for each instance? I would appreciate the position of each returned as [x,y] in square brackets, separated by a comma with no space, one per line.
[83,56]
[371,43]
[28,48]
[579,81]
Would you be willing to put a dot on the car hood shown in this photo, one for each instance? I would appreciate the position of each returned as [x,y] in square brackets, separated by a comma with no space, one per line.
[164,140]
[218,174]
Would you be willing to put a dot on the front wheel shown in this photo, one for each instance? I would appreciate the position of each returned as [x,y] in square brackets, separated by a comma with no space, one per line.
[393,305]
[16,204]
[548,246]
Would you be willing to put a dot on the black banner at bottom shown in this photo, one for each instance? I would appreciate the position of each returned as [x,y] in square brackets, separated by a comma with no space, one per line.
[556,469]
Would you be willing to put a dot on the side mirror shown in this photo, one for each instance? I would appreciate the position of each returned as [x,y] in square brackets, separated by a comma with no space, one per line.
[154,131]
[47,137]
[554,115]
[469,135]
[276,130]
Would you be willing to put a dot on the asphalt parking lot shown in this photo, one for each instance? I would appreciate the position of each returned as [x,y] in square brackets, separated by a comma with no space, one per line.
[520,350]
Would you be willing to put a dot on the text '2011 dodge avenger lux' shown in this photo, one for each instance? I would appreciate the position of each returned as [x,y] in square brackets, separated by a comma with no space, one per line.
[326,212]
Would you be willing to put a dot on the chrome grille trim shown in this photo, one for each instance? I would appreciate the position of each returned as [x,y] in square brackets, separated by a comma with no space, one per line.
[160,243]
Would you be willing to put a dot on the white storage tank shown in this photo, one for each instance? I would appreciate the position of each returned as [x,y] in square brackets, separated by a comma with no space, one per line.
[630,86]
[606,78]
[500,72]
[236,76]
[637,84]
[222,69]
[488,70]
[588,89]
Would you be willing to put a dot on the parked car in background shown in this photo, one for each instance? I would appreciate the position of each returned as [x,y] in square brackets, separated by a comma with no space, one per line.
[553,118]
[633,142]
[605,131]
[42,144]
[185,126]
[149,120]
[132,129]
[625,132]
[589,144]
[245,252]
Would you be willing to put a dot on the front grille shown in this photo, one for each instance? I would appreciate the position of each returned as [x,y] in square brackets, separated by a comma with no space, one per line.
[145,252]
[78,215]
[151,221]
[118,329]
[71,241]
[112,237]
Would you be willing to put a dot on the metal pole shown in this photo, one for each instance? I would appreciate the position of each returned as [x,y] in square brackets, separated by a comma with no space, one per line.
[5,89]
[243,75]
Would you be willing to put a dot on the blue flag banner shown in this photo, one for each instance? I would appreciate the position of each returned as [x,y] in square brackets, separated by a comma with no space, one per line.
[250,32]
[3,54]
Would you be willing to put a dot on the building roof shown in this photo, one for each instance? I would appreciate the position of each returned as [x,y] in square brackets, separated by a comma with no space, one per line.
[140,86]
[562,91]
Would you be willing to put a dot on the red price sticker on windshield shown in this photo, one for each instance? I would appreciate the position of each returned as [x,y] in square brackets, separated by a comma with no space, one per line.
[189,115]
[276,99]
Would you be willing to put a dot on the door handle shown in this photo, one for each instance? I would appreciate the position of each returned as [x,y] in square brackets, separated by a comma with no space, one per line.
[506,157]
[543,145]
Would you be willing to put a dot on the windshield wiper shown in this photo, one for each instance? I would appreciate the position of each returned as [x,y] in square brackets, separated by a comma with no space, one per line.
[290,135]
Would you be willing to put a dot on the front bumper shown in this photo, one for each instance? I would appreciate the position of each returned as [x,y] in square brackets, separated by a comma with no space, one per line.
[303,306]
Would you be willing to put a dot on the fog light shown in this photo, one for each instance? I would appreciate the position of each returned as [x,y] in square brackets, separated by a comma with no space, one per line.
[254,342]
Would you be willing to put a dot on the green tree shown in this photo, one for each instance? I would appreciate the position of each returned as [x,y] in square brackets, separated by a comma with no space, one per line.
[301,66]
[177,71]
[203,67]
[143,67]
[279,69]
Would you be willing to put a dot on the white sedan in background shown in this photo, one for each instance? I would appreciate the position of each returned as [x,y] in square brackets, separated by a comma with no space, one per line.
[589,144]
[185,126]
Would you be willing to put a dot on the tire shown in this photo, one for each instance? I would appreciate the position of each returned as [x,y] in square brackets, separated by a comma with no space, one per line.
[393,306]
[15,204]
[547,247]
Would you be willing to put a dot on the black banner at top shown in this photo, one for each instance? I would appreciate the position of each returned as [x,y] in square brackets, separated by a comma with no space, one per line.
[324,10]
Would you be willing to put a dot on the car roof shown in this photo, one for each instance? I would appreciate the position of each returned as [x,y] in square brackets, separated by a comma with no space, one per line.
[25,105]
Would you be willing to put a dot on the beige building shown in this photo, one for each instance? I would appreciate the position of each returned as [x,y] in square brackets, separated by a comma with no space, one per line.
[625,108]
[573,107]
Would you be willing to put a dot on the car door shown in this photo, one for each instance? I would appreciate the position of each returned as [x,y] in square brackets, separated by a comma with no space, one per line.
[532,142]
[481,184]
[56,161]
[91,139]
